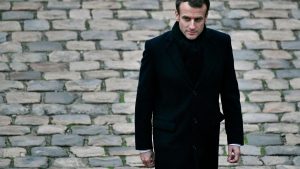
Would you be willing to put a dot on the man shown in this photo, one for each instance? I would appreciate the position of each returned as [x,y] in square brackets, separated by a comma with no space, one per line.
[182,74]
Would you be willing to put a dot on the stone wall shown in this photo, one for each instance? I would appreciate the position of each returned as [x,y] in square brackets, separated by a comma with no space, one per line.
[68,78]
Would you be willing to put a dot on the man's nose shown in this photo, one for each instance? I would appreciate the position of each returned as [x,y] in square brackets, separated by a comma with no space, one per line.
[192,24]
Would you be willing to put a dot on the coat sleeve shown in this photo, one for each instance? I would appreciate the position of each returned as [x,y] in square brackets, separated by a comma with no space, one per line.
[144,102]
[230,98]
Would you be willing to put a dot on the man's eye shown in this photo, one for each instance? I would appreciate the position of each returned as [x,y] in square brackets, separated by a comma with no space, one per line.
[198,19]
[186,19]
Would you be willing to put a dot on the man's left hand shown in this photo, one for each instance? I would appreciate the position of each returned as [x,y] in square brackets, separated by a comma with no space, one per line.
[234,153]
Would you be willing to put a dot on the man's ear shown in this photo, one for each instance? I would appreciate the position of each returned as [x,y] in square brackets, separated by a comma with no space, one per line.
[177,15]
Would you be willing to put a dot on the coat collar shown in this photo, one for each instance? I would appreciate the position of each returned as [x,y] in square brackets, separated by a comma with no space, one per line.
[210,61]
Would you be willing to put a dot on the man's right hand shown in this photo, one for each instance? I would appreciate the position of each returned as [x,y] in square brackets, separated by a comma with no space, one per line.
[148,158]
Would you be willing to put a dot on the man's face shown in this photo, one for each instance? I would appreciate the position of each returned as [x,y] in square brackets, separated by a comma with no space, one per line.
[191,20]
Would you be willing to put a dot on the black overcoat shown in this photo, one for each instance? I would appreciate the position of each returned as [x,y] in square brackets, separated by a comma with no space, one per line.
[183,117]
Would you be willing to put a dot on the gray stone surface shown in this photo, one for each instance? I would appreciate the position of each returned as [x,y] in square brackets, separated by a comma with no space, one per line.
[45,86]
[66,140]
[44,46]
[49,151]
[36,25]
[59,98]
[264,139]
[105,162]
[24,141]
[30,162]
[90,130]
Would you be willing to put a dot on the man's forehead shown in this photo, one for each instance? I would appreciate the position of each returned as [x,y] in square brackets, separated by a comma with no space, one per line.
[186,9]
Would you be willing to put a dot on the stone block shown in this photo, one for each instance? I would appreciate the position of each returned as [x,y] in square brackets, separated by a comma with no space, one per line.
[293,117]
[80,14]
[108,24]
[101,55]
[68,163]
[132,14]
[30,75]
[243,65]
[282,150]
[52,151]
[83,85]
[250,150]
[8,84]
[281,128]
[3,36]
[279,107]
[256,24]
[148,24]
[251,160]
[295,83]
[23,97]
[264,96]
[261,45]
[244,35]
[245,55]
[139,35]
[52,14]
[84,65]
[4,163]
[122,65]
[123,108]
[31,120]
[80,45]
[101,74]
[67,140]
[27,6]
[90,130]
[102,14]
[270,14]
[51,129]
[71,119]
[296,63]
[61,36]
[259,118]
[29,57]
[142,4]
[99,35]
[163,15]
[26,36]
[5,5]
[16,66]
[122,151]
[100,97]
[28,140]
[250,84]
[264,139]
[260,74]
[49,67]
[10,47]
[17,15]
[14,130]
[279,5]
[44,85]
[98,4]
[123,128]
[63,5]
[114,84]
[59,98]
[292,95]
[118,45]
[105,140]
[44,46]
[287,24]
[4,121]
[273,64]
[36,25]
[10,26]
[31,162]
[244,4]
[64,56]
[74,24]
[62,76]
[132,55]
[276,54]
[275,160]
[12,152]
[277,84]
[250,108]
[294,45]
[88,109]
[276,35]
[13,109]
[87,151]
[110,119]
[292,139]
[105,161]
[49,109]
[288,73]
[296,13]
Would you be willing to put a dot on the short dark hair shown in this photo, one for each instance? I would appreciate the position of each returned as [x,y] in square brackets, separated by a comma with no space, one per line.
[193,3]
